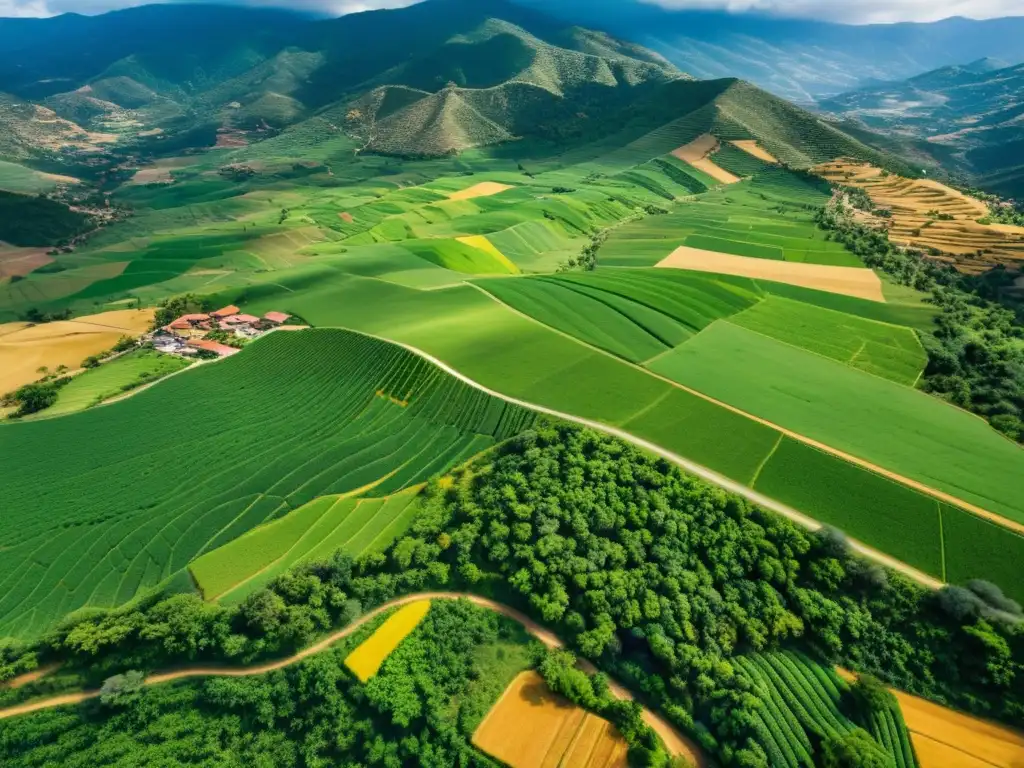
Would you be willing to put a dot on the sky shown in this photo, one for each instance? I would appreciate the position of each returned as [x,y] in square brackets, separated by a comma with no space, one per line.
[850,11]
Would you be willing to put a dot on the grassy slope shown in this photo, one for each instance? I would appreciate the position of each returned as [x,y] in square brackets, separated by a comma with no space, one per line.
[148,484]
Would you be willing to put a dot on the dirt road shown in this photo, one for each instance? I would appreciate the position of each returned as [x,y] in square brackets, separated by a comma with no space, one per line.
[675,741]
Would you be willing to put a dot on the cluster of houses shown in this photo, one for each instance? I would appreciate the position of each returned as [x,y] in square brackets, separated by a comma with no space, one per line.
[187,334]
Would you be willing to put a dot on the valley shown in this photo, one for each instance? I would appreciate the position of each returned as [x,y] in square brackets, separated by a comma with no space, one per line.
[694,394]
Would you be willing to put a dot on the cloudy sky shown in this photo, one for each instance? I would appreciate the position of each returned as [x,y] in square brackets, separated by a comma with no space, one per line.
[854,11]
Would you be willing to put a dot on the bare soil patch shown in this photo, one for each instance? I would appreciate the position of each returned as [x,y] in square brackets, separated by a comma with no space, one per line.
[933,217]
[483,189]
[346,217]
[697,154]
[531,727]
[751,147]
[850,281]
[18,262]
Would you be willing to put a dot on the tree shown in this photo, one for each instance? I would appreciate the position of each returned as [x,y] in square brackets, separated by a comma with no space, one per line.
[122,690]
[854,750]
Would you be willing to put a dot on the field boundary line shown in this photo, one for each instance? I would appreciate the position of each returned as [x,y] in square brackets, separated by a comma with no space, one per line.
[844,363]
[669,734]
[935,493]
[764,463]
[692,467]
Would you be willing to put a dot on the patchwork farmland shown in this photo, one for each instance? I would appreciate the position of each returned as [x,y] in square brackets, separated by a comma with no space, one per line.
[296,417]
[613,421]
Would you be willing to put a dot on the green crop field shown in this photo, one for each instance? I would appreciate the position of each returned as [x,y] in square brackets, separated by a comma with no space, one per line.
[890,351]
[499,349]
[767,217]
[315,531]
[890,425]
[117,377]
[803,703]
[148,484]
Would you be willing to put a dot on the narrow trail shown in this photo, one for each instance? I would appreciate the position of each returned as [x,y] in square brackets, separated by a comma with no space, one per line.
[676,742]
[690,466]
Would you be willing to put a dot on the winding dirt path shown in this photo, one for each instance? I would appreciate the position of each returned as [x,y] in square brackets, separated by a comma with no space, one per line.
[676,742]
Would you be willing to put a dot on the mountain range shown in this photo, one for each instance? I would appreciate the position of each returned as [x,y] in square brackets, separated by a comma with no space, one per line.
[974,113]
[799,59]
[440,77]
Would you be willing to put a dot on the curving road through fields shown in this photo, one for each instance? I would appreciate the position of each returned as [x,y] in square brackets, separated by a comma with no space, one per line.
[675,741]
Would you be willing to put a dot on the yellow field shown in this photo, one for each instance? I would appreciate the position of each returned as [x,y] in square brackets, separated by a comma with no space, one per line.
[531,727]
[850,281]
[26,348]
[483,189]
[963,242]
[483,244]
[751,148]
[697,152]
[365,660]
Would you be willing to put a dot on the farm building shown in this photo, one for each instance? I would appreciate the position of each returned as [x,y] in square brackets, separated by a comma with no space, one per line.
[277,318]
[213,346]
[237,320]
[220,314]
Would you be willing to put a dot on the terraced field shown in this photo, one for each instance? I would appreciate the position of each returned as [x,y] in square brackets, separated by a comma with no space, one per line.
[149,484]
[930,215]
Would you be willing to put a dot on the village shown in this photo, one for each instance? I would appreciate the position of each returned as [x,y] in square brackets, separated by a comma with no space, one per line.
[222,333]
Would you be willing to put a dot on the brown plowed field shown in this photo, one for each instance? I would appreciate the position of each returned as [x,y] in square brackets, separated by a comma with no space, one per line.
[531,727]
[751,148]
[971,247]
[697,154]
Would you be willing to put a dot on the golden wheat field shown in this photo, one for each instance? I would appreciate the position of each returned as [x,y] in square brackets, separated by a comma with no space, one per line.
[26,348]
[365,661]
[531,727]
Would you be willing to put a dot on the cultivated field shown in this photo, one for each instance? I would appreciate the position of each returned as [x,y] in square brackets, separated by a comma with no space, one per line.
[18,262]
[698,153]
[483,189]
[879,421]
[366,660]
[26,348]
[530,727]
[511,354]
[803,707]
[751,147]
[930,215]
[152,482]
[890,351]
[114,379]
[341,523]
[848,281]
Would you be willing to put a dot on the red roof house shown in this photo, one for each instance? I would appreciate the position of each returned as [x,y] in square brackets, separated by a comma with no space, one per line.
[240,320]
[220,314]
[212,346]
[192,318]
[276,317]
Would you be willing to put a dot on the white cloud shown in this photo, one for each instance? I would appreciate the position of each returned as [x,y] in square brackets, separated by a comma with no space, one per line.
[861,11]
[853,11]
[22,8]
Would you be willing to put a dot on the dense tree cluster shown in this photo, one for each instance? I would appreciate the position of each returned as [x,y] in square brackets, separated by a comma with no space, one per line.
[656,576]
[420,709]
[976,351]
